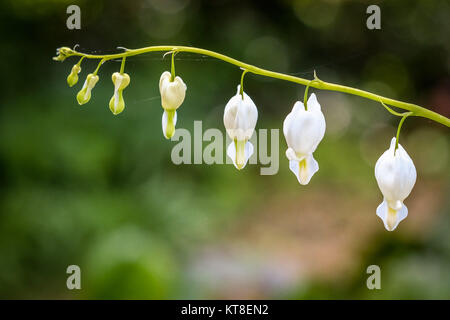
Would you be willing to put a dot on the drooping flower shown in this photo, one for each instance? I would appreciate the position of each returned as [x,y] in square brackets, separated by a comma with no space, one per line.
[173,92]
[121,81]
[396,175]
[303,130]
[240,118]
[85,93]
[72,78]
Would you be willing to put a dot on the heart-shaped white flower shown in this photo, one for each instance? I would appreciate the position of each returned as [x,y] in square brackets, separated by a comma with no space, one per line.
[396,175]
[240,118]
[303,130]
[173,92]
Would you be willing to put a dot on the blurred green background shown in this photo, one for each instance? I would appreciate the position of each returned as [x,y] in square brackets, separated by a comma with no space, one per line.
[81,186]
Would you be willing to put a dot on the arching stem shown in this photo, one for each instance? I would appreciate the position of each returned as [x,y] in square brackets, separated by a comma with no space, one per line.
[318,84]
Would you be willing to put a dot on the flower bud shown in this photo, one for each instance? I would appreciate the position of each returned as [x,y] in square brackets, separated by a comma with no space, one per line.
[121,81]
[396,175]
[303,130]
[172,96]
[85,93]
[72,78]
[62,53]
[240,118]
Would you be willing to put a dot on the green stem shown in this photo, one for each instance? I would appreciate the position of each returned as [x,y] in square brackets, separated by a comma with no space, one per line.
[99,65]
[79,62]
[241,89]
[122,66]
[172,68]
[305,98]
[318,84]
[406,115]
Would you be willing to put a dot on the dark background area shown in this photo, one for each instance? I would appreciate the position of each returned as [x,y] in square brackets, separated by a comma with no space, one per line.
[81,186]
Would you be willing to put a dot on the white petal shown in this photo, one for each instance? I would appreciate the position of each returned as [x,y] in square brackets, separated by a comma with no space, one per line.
[391,218]
[248,152]
[165,78]
[304,168]
[240,117]
[165,120]
[172,92]
[313,104]
[298,107]
[291,155]
[304,130]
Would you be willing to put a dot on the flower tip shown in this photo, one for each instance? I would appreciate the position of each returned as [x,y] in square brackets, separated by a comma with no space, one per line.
[116,112]
[169,130]
[62,53]
[169,120]
[391,217]
[390,228]
[116,105]
[168,135]
[240,152]
[81,97]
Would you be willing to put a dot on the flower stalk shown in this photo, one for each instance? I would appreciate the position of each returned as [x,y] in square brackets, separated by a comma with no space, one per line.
[416,110]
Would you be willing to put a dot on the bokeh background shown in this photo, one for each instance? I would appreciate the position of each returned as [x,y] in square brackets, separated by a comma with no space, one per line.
[81,186]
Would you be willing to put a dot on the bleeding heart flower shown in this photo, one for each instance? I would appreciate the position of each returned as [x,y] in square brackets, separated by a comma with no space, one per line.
[173,92]
[303,130]
[240,118]
[396,175]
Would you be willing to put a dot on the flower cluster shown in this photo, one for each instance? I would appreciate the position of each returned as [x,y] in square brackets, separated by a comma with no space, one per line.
[120,81]
[303,128]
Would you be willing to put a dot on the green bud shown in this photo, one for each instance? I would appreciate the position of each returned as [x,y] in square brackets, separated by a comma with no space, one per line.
[72,78]
[117,103]
[62,53]
[85,93]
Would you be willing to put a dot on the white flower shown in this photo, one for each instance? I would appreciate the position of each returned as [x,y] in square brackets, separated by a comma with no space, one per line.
[240,118]
[172,93]
[120,81]
[396,176]
[303,130]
